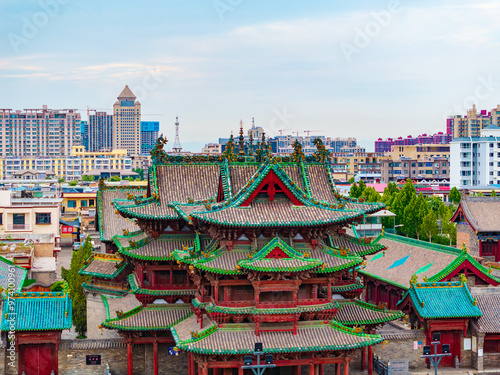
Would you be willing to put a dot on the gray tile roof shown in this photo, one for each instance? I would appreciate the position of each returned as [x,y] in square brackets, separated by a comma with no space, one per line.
[240,174]
[294,172]
[115,304]
[319,184]
[483,213]
[151,317]
[17,277]
[489,304]
[264,213]
[180,182]
[352,312]
[241,338]
[112,223]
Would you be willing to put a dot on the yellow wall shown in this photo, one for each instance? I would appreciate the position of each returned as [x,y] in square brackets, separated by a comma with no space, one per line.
[78,198]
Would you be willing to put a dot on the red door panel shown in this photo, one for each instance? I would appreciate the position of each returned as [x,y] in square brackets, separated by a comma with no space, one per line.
[36,359]
[45,358]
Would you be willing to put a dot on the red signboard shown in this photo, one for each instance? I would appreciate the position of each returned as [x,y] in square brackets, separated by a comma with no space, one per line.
[67,229]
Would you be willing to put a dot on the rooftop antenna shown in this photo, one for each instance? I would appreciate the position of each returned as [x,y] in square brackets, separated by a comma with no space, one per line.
[177,143]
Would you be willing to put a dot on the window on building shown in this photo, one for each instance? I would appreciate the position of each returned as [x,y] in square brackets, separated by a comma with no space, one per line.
[1,219]
[91,203]
[72,203]
[491,154]
[179,277]
[18,220]
[43,218]
[83,203]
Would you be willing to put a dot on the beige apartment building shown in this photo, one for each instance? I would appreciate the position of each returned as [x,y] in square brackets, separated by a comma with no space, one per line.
[364,163]
[71,167]
[28,216]
[426,168]
[39,132]
[472,124]
[419,151]
[127,123]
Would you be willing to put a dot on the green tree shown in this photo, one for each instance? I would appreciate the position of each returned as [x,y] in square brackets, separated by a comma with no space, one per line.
[88,178]
[354,191]
[371,195]
[402,200]
[351,180]
[73,183]
[61,180]
[362,187]
[410,222]
[493,193]
[434,203]
[448,227]
[455,195]
[430,226]
[421,211]
[115,178]
[140,172]
[75,281]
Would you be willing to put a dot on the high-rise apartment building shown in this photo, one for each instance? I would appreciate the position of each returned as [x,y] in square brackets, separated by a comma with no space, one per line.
[100,133]
[149,135]
[127,123]
[84,134]
[472,124]
[39,132]
[475,161]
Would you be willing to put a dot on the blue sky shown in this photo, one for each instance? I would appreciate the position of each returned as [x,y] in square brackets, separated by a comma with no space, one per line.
[358,68]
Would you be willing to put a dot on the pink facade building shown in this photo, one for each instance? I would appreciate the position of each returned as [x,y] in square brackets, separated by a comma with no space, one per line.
[385,145]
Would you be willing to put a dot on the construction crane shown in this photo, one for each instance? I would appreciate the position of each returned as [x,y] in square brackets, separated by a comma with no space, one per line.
[308,132]
[283,130]
[296,133]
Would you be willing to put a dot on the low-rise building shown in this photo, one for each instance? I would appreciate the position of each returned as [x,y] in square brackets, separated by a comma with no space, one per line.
[425,169]
[71,167]
[419,151]
[28,215]
[364,163]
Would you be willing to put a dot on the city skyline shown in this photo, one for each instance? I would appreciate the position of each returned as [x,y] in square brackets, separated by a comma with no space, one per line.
[367,70]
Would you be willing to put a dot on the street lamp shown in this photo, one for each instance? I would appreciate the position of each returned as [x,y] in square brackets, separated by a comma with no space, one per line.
[258,369]
[436,358]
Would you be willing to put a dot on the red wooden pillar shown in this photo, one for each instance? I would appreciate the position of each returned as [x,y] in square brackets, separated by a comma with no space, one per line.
[155,357]
[346,366]
[370,360]
[130,367]
[363,359]
[311,369]
[202,368]
[190,364]
[240,370]
[56,359]
[216,290]
[375,297]
[329,290]
[216,371]
[337,369]
[497,255]
[296,370]
[321,369]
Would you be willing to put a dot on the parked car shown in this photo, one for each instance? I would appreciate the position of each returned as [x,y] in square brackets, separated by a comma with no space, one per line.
[76,245]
